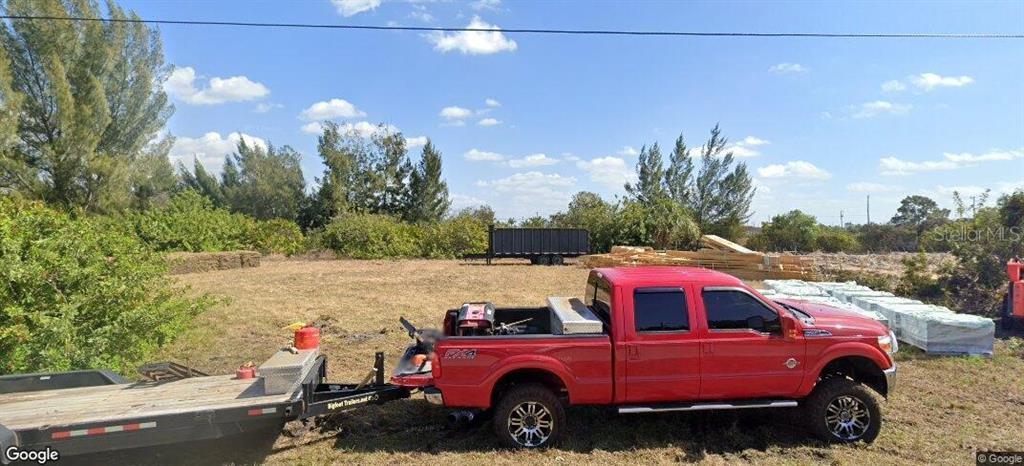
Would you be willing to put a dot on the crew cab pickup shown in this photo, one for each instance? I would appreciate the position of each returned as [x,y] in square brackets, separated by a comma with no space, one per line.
[652,339]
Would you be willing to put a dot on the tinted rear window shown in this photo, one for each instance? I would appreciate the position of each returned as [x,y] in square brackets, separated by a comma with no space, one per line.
[660,310]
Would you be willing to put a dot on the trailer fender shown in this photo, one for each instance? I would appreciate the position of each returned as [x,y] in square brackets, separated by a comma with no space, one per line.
[8,439]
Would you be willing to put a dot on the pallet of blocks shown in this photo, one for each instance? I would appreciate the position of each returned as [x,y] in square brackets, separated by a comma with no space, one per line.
[715,253]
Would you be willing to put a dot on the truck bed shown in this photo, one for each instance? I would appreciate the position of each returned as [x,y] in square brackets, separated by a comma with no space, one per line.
[42,409]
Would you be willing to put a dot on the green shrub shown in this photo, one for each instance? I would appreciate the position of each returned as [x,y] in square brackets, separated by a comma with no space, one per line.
[277,235]
[917,281]
[78,293]
[371,236]
[191,223]
[832,239]
[453,238]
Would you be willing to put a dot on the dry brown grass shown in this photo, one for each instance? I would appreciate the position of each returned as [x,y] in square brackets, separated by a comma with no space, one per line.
[943,410]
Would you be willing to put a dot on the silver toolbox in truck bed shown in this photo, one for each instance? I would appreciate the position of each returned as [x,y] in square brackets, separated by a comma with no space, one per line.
[569,316]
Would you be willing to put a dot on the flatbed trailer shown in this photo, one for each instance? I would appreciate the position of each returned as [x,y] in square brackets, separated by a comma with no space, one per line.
[94,411]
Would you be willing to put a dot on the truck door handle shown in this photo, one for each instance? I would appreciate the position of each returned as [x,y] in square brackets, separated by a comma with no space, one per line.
[633,352]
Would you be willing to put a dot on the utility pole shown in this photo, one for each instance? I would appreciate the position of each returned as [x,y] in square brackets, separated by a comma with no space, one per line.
[869,209]
[974,208]
[842,224]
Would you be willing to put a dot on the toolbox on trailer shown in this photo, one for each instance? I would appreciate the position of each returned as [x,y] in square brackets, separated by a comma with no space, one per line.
[93,411]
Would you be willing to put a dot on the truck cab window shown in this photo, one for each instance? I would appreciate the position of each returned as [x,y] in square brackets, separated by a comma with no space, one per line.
[735,310]
[660,310]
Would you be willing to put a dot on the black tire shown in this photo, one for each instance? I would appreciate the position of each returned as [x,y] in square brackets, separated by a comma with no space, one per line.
[531,405]
[1007,320]
[557,260]
[543,260]
[834,407]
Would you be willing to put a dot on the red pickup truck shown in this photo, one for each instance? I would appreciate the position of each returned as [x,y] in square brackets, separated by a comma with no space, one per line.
[652,339]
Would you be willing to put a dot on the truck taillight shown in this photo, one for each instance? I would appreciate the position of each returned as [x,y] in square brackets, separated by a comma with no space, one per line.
[435,365]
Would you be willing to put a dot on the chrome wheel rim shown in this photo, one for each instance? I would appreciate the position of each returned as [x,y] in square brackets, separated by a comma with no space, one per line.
[530,424]
[847,417]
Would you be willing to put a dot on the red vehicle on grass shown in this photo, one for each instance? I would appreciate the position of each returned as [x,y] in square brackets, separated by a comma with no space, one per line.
[652,339]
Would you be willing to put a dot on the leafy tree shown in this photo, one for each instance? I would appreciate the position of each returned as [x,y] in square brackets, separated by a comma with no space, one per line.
[428,194]
[587,210]
[920,213]
[153,181]
[267,183]
[792,231]
[678,176]
[882,237]
[722,192]
[662,224]
[202,182]
[534,222]
[482,213]
[10,106]
[390,169]
[649,176]
[836,239]
[90,100]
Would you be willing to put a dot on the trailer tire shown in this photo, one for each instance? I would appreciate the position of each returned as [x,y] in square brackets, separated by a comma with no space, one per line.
[529,416]
[557,260]
[543,260]
[836,405]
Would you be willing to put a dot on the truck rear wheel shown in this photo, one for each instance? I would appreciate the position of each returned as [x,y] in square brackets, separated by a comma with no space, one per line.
[529,416]
[843,411]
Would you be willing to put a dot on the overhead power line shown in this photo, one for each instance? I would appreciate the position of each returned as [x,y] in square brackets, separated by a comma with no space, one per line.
[588,32]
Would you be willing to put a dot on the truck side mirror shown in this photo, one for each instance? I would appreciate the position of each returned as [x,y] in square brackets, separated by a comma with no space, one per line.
[790,328]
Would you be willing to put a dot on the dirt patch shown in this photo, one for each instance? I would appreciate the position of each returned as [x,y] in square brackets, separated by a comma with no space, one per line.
[191,262]
[943,410]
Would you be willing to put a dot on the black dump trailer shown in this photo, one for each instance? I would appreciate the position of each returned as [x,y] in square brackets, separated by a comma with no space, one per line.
[543,246]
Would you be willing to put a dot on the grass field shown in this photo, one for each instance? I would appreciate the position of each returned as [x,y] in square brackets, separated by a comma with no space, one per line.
[943,410]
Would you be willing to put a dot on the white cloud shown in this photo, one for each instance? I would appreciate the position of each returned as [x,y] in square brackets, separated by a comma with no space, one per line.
[264,107]
[879,107]
[485,5]
[795,170]
[476,155]
[313,127]
[530,193]
[348,8]
[489,122]
[896,166]
[492,103]
[533,160]
[455,113]
[788,68]
[210,149]
[416,142]
[930,81]
[486,41]
[334,108]
[893,86]
[926,82]
[629,151]
[611,172]
[870,187]
[950,161]
[422,15]
[181,84]
[461,201]
[990,156]
[362,128]
[746,147]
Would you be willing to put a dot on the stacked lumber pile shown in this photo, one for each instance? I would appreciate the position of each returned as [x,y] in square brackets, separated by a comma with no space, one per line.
[715,253]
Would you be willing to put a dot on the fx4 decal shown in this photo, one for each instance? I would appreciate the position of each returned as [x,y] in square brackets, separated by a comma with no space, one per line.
[460,354]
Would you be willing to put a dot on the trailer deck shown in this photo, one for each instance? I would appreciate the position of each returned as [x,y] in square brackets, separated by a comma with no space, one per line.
[113,403]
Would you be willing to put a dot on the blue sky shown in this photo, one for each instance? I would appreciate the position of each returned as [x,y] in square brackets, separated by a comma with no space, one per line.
[524,121]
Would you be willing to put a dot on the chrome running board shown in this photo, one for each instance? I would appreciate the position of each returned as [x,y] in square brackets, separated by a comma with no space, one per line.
[661,408]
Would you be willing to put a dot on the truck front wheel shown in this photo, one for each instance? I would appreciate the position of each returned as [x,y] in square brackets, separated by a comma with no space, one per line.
[529,416]
[843,411]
